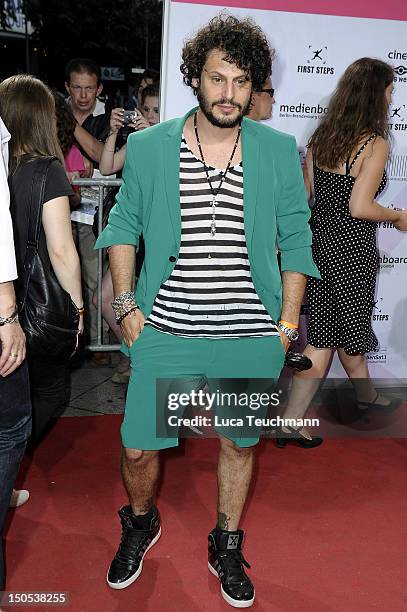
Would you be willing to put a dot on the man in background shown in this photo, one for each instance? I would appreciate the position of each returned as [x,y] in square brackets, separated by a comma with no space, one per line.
[83,84]
[262,102]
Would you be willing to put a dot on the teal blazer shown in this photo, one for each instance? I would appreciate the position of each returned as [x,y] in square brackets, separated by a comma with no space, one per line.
[274,200]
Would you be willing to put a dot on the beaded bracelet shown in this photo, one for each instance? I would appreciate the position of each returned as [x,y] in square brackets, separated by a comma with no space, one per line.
[123,304]
[120,319]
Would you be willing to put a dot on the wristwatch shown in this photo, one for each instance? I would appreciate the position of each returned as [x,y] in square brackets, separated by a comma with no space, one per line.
[292,334]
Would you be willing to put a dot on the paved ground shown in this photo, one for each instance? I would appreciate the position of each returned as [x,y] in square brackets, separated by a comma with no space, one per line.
[92,390]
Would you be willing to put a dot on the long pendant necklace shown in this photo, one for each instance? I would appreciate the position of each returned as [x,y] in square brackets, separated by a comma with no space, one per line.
[223,174]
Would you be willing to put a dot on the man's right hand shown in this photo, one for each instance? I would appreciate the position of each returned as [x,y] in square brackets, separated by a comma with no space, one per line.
[12,340]
[132,326]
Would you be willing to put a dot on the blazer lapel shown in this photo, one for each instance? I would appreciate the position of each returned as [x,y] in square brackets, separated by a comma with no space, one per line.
[171,174]
[250,156]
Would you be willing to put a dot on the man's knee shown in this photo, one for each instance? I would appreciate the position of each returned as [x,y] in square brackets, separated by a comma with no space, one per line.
[135,456]
[233,449]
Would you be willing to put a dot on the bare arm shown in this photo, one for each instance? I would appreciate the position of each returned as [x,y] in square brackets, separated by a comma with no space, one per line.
[308,172]
[12,337]
[122,261]
[89,143]
[293,292]
[110,161]
[61,247]
[362,204]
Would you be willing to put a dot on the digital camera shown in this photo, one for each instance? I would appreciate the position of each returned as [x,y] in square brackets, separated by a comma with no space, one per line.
[129,116]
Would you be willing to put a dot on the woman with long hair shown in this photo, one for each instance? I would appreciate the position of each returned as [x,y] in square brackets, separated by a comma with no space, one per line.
[345,171]
[28,110]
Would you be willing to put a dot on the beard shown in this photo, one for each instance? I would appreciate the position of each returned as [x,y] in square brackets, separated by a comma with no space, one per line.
[221,122]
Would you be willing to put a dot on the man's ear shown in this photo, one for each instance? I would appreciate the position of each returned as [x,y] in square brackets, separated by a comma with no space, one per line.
[195,83]
[100,88]
[67,87]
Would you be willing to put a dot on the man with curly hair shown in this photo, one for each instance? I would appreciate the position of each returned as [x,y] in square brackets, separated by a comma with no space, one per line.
[211,193]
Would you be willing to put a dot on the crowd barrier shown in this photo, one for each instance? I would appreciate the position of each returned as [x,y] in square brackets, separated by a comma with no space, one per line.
[101,185]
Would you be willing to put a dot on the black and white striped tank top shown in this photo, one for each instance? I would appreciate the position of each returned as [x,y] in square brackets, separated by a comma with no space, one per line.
[210,293]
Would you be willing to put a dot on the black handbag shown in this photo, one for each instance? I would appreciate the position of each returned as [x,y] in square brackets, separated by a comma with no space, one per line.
[47,314]
[297,361]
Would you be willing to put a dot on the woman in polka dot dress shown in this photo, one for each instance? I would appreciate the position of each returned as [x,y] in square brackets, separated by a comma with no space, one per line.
[345,172]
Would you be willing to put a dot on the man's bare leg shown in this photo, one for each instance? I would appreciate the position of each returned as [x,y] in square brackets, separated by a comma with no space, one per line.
[140,470]
[225,559]
[140,521]
[235,467]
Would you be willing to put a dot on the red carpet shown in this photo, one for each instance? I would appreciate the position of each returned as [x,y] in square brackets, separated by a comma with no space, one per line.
[326,531]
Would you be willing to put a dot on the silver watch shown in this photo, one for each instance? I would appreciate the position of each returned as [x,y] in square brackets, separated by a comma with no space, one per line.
[292,334]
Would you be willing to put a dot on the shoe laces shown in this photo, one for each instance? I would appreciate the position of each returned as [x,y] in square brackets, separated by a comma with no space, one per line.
[132,543]
[231,562]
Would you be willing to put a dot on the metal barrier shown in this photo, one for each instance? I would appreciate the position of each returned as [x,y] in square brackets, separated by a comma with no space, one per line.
[101,185]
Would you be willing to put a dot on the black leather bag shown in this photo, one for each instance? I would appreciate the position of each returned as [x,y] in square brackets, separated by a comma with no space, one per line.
[297,361]
[47,314]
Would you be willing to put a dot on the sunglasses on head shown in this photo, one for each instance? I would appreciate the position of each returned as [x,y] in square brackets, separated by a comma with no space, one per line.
[269,91]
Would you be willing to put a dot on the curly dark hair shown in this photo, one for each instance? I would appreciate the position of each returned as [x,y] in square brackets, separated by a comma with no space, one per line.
[357,109]
[243,42]
[66,123]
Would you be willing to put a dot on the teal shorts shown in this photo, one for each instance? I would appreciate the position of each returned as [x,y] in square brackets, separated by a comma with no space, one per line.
[189,363]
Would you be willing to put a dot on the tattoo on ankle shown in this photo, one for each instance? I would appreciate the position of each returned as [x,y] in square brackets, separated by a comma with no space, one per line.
[223,521]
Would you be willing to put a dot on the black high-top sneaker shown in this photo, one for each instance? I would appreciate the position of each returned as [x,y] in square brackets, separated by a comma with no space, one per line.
[225,560]
[128,562]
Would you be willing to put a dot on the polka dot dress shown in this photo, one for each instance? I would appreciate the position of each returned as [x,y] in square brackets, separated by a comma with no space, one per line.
[345,251]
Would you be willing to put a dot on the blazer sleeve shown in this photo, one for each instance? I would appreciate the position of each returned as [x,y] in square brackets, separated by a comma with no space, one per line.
[125,219]
[294,237]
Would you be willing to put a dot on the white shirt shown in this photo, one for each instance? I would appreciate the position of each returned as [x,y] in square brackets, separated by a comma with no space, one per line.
[99,108]
[8,269]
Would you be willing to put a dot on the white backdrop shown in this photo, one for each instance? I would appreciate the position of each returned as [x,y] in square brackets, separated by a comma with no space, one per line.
[312,51]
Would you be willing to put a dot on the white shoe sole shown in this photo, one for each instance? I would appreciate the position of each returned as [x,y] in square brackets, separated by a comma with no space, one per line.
[22,496]
[129,581]
[232,602]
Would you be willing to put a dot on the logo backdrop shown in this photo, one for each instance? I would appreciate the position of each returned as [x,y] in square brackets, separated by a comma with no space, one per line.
[313,46]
